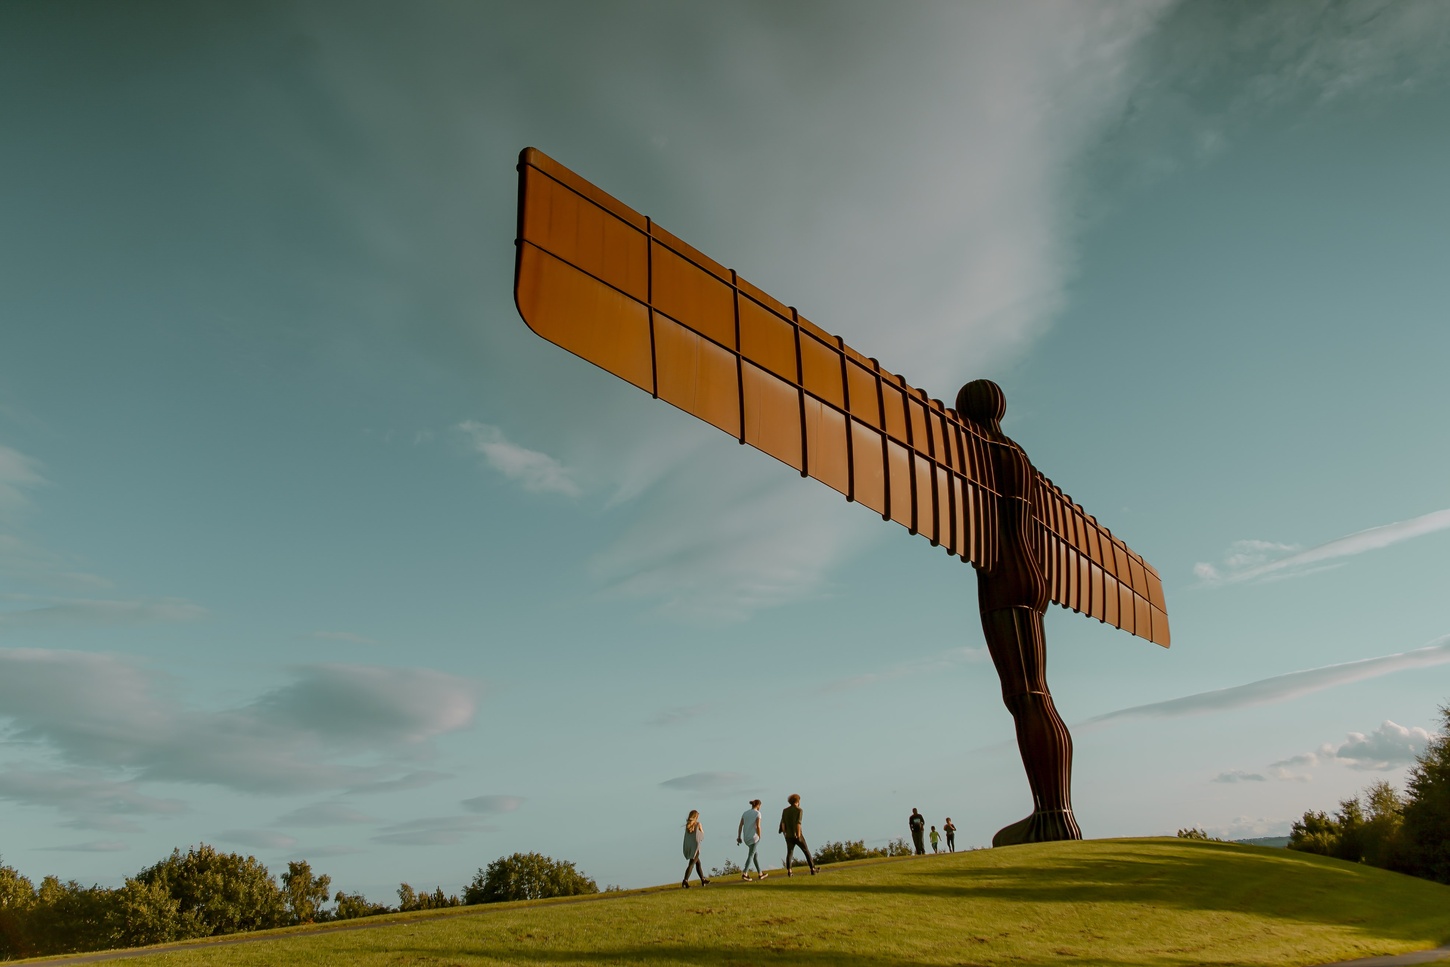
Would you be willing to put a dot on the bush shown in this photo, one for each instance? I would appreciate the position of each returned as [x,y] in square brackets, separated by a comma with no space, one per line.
[728,869]
[855,849]
[1365,829]
[1193,832]
[225,892]
[352,906]
[527,876]
[409,899]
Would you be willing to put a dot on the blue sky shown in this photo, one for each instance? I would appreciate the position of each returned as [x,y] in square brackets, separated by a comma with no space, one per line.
[309,548]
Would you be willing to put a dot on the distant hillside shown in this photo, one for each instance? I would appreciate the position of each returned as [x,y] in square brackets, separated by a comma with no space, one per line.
[1281,842]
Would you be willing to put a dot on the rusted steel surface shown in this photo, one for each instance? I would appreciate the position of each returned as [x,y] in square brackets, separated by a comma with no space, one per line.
[604,282]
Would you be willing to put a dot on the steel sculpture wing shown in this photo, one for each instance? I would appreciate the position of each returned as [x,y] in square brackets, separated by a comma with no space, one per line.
[604,282]
[1092,572]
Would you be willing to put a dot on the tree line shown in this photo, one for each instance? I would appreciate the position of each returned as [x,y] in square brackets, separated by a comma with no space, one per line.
[205,893]
[1407,832]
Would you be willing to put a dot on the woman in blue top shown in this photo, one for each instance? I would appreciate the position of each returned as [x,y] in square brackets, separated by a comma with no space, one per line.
[694,836]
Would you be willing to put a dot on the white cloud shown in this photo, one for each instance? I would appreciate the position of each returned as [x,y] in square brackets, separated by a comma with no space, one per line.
[493,804]
[96,710]
[1255,560]
[706,782]
[530,469]
[1281,688]
[1389,746]
[1238,775]
[404,783]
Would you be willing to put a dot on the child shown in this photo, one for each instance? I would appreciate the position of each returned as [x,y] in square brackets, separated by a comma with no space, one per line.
[935,838]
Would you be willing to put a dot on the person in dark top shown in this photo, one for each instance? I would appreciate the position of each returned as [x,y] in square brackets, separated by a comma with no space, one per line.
[951,832]
[917,822]
[790,827]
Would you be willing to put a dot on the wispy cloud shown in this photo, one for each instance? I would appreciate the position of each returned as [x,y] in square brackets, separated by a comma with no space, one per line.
[404,783]
[950,658]
[530,469]
[706,782]
[1254,560]
[434,831]
[90,798]
[493,804]
[679,715]
[18,473]
[1238,775]
[94,846]
[1281,688]
[75,612]
[100,711]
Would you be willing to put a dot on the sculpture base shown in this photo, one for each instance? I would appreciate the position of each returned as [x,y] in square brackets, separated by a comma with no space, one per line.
[1048,826]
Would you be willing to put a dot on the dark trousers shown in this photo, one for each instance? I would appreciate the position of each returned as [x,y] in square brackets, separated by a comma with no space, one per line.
[916,835]
[790,846]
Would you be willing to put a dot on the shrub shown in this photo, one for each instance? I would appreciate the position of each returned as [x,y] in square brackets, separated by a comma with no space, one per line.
[352,906]
[408,899]
[855,849]
[304,893]
[527,876]
[1193,832]
[226,892]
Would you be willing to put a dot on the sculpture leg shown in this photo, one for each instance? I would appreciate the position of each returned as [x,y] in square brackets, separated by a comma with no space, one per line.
[1018,647]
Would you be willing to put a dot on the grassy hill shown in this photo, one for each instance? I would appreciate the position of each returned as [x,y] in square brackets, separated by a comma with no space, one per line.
[1152,901]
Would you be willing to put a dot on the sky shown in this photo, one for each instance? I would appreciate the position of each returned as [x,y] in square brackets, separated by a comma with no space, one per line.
[310,549]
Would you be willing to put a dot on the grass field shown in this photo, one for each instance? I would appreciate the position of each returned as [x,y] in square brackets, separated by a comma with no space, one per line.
[1150,901]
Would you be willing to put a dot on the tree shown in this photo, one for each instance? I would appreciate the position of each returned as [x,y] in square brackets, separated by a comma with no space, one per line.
[70,918]
[17,897]
[351,906]
[1365,829]
[304,893]
[226,892]
[1425,819]
[410,899]
[527,876]
[146,913]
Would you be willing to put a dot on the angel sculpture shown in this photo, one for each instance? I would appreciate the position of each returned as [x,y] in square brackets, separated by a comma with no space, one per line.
[604,282]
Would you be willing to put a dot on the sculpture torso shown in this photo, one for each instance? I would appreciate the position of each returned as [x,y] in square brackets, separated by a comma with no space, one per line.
[1015,579]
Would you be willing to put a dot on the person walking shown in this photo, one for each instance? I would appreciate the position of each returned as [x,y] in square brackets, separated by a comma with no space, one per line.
[748,832]
[935,839]
[790,826]
[951,832]
[917,822]
[694,836]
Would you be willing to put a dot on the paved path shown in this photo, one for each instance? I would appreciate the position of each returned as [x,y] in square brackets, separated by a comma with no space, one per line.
[1395,960]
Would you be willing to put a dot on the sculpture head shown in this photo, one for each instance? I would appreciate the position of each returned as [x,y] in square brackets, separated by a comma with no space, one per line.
[982,401]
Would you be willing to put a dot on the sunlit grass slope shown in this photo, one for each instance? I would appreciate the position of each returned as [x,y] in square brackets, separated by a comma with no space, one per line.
[1151,901]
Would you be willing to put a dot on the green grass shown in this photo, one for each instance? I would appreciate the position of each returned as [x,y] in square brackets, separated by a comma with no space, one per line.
[1149,902]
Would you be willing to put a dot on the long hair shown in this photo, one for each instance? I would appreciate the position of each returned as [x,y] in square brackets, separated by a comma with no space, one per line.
[693,822]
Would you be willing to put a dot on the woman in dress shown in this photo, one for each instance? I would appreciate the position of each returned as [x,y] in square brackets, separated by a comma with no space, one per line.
[694,836]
